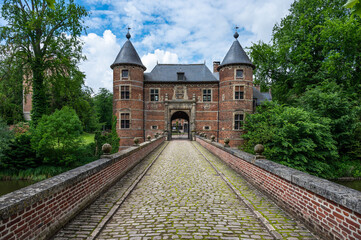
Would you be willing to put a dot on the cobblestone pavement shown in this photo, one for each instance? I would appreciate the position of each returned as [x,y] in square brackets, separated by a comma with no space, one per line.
[281,221]
[182,197]
[85,223]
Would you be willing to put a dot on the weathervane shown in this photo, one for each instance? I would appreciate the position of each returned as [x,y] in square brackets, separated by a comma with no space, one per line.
[236,35]
[128,34]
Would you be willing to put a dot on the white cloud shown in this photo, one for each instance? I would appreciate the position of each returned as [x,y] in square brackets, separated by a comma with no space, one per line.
[100,52]
[159,56]
[191,31]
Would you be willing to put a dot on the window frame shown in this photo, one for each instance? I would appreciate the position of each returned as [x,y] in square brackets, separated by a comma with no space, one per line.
[239,70]
[150,94]
[182,75]
[239,95]
[125,123]
[240,121]
[121,91]
[207,94]
[122,73]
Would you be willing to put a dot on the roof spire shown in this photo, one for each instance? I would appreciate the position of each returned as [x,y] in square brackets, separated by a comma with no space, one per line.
[128,34]
[236,35]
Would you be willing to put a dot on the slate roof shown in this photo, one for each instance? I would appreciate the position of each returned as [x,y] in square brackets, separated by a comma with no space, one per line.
[168,73]
[128,55]
[236,55]
[261,96]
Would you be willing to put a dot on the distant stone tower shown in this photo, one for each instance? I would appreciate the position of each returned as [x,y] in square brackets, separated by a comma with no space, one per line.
[128,97]
[235,92]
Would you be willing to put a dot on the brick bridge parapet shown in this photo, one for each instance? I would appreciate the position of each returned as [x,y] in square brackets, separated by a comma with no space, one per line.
[329,209]
[39,210]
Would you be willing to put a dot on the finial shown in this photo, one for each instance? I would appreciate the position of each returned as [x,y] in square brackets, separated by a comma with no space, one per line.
[236,35]
[128,34]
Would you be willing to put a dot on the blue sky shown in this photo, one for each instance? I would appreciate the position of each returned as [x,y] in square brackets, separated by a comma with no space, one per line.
[176,31]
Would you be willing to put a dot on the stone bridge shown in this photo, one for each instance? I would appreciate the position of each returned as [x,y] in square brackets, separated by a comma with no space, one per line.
[182,190]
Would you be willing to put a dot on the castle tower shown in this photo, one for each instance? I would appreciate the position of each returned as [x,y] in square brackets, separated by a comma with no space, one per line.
[128,97]
[236,92]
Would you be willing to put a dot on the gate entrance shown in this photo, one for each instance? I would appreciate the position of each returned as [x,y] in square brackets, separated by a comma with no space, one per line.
[183,112]
[180,125]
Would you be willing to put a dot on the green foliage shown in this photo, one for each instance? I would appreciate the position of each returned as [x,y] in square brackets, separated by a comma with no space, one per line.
[5,137]
[103,103]
[100,139]
[57,137]
[11,87]
[44,42]
[355,6]
[293,137]
[20,156]
[114,136]
[329,101]
[316,41]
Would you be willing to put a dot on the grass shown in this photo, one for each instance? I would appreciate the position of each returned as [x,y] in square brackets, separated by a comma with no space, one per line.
[88,138]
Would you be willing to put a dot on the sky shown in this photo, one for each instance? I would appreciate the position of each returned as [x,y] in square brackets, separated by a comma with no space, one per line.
[172,31]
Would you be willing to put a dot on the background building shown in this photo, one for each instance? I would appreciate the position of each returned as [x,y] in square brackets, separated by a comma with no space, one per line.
[215,103]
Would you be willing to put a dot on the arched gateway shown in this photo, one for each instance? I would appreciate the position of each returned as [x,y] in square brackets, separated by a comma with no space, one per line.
[179,114]
[212,102]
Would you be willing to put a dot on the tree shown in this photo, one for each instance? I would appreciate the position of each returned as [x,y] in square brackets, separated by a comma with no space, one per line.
[45,40]
[293,137]
[56,138]
[316,41]
[5,137]
[103,103]
[355,6]
[115,137]
[329,101]
[11,87]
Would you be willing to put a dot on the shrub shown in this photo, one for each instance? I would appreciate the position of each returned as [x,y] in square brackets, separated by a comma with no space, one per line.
[5,137]
[293,137]
[20,155]
[56,138]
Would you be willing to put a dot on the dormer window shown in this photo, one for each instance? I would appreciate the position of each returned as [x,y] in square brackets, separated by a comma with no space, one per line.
[125,73]
[180,76]
[239,74]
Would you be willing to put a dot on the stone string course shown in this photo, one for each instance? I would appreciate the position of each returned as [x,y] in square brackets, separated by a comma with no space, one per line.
[39,210]
[329,209]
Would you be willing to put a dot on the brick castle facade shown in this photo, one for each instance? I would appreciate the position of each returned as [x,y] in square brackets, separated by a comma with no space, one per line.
[215,103]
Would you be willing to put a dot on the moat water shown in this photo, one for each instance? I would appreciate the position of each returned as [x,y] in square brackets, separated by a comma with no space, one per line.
[13,185]
[355,184]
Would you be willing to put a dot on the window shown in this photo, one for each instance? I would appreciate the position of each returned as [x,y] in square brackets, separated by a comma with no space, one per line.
[238,92]
[239,73]
[207,95]
[206,128]
[124,120]
[238,121]
[154,95]
[180,76]
[154,127]
[125,73]
[124,92]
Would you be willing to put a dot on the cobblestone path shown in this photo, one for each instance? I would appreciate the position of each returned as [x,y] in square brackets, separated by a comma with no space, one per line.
[183,197]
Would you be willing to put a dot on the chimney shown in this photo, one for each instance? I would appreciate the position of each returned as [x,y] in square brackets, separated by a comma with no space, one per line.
[215,66]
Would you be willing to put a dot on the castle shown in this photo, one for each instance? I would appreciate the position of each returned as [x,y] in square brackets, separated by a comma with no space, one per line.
[214,103]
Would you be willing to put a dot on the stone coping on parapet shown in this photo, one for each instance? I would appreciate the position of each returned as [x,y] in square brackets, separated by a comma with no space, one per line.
[21,199]
[337,193]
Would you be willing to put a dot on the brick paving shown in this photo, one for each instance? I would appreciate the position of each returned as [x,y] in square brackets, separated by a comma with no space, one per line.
[183,197]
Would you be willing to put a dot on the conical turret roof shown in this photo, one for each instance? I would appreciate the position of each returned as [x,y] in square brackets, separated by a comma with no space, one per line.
[128,55]
[236,55]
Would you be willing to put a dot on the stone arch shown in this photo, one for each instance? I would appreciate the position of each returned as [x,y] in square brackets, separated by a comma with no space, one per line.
[181,114]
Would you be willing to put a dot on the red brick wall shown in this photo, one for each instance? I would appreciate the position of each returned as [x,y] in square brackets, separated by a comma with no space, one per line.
[39,215]
[133,105]
[330,219]
[229,105]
